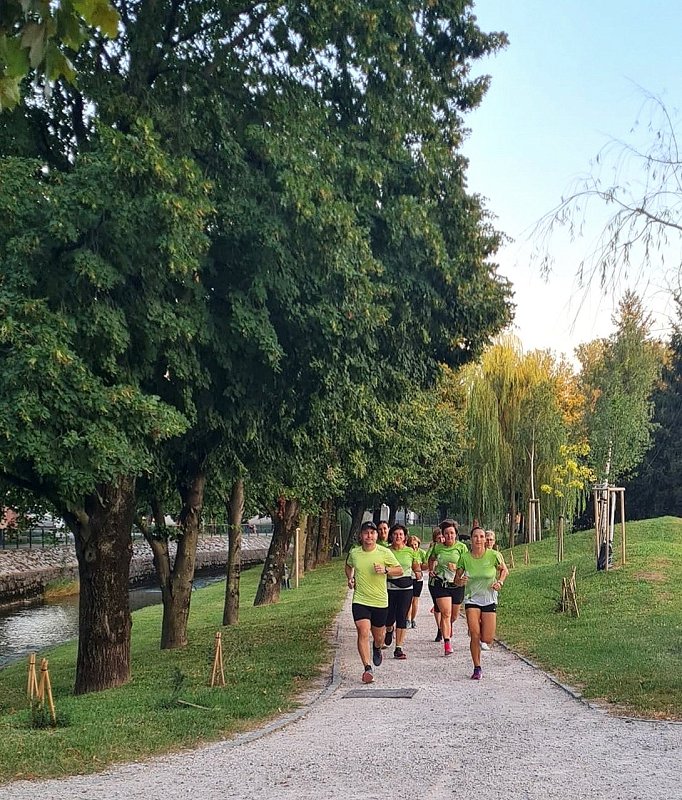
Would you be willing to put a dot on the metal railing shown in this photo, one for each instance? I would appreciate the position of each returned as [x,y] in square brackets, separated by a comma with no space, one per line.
[43,536]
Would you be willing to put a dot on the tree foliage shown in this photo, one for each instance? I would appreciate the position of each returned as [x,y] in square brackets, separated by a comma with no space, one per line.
[618,377]
[41,36]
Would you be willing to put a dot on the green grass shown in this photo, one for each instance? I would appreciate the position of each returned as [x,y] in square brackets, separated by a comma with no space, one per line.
[270,657]
[625,648]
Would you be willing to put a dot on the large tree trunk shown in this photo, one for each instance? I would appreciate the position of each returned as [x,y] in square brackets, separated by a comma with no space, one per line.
[392,513]
[285,519]
[325,538]
[311,542]
[176,581]
[235,511]
[357,512]
[102,532]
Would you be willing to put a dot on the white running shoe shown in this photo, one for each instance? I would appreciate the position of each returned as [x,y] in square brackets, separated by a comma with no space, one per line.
[484,646]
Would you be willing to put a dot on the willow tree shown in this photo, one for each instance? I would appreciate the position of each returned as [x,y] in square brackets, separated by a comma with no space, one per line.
[515,428]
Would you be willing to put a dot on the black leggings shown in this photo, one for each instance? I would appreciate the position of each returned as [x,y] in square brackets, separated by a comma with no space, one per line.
[399,602]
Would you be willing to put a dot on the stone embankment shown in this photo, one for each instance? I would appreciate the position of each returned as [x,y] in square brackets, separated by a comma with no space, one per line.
[26,573]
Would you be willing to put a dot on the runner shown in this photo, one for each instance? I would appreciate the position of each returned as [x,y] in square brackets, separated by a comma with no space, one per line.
[443,564]
[482,573]
[417,577]
[382,534]
[366,569]
[436,538]
[400,590]
[489,545]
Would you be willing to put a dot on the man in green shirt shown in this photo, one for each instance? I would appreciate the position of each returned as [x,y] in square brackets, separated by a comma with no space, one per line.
[366,569]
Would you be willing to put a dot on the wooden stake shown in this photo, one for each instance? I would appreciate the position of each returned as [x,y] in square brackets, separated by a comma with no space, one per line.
[32,683]
[526,556]
[560,540]
[511,559]
[45,689]
[218,676]
[622,523]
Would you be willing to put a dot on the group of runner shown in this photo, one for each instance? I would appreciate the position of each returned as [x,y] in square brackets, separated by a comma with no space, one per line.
[386,573]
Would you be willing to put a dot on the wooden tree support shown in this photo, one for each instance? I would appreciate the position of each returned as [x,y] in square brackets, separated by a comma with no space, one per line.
[218,675]
[560,540]
[32,683]
[526,556]
[569,595]
[45,690]
[511,559]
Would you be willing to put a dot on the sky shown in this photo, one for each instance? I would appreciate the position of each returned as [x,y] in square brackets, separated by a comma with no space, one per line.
[573,79]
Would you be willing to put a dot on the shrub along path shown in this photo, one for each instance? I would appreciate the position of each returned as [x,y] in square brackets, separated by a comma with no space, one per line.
[514,734]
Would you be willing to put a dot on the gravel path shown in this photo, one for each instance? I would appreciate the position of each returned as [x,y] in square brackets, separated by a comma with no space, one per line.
[514,735]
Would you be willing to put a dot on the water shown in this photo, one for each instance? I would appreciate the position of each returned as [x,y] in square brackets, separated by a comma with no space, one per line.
[25,629]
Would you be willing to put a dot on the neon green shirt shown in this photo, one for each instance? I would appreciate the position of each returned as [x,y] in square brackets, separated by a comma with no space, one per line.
[482,572]
[405,556]
[420,557]
[447,555]
[370,587]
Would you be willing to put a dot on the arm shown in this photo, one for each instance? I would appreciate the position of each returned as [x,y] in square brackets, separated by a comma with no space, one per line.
[350,575]
[502,573]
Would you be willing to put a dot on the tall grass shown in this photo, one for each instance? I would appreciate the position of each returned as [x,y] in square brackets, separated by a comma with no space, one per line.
[270,657]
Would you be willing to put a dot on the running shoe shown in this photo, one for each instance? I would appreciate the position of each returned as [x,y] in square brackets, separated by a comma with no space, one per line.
[448,649]
[400,654]
[439,637]
[367,675]
[484,646]
[414,624]
[377,657]
[388,638]
[477,674]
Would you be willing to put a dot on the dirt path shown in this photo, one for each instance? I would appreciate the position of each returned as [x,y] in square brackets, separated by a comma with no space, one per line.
[512,735]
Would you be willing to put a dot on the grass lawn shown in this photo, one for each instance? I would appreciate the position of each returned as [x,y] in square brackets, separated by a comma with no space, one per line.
[270,657]
[625,648]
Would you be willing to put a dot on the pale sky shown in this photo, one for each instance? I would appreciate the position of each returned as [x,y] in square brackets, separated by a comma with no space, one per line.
[570,81]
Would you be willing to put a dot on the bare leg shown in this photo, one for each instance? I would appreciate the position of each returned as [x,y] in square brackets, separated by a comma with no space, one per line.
[363,627]
[488,626]
[474,623]
[445,608]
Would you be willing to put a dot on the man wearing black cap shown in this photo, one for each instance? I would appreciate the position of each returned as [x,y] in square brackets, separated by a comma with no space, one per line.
[366,569]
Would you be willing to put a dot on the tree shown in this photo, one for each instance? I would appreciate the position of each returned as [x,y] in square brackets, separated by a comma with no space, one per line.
[83,318]
[618,376]
[514,426]
[655,489]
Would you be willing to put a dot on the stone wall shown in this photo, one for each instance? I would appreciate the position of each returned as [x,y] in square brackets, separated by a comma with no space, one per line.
[25,573]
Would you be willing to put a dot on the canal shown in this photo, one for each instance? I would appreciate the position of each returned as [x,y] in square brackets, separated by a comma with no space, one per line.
[27,628]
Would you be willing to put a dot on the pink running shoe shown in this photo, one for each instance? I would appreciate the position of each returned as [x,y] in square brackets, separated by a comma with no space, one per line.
[477,674]
[448,649]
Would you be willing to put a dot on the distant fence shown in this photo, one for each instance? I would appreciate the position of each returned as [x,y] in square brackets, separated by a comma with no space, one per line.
[41,536]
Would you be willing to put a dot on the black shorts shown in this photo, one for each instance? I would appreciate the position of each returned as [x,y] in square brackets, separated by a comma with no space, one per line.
[489,609]
[376,616]
[433,594]
[417,587]
[456,593]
